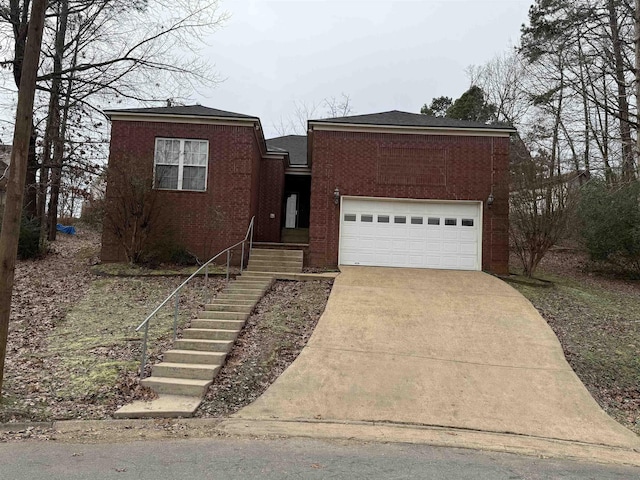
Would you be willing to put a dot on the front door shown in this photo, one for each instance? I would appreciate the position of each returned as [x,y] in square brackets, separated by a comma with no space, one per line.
[291,213]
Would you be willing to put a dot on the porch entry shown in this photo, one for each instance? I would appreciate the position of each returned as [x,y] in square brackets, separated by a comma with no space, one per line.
[296,205]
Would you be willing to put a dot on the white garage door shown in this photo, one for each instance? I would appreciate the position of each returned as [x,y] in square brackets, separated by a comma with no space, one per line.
[416,234]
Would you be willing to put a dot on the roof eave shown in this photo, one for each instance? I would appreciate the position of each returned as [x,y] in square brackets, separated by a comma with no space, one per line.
[114,114]
[415,129]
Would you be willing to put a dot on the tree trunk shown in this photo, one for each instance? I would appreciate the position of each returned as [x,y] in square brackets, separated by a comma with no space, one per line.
[627,167]
[19,159]
[585,110]
[20,23]
[30,202]
[58,135]
[636,44]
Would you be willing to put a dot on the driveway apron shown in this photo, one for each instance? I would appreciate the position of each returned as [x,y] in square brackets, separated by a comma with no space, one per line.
[438,348]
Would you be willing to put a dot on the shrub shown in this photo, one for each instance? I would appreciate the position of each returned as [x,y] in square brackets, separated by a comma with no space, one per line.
[93,213]
[29,241]
[132,213]
[166,250]
[540,209]
[611,224]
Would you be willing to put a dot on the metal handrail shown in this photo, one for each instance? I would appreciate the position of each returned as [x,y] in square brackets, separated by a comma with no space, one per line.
[247,238]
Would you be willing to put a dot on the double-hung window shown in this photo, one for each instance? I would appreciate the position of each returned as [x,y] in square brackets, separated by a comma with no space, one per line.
[181,164]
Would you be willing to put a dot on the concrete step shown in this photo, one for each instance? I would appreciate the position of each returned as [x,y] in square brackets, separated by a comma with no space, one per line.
[258,274]
[165,406]
[194,356]
[249,281]
[275,253]
[273,268]
[192,371]
[273,261]
[177,386]
[249,297]
[203,345]
[225,307]
[240,290]
[236,302]
[218,324]
[246,278]
[210,334]
[243,278]
[219,315]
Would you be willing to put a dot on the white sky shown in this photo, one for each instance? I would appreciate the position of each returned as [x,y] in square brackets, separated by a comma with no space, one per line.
[385,54]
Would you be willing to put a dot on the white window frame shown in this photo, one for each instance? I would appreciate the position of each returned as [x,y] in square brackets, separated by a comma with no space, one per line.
[181,164]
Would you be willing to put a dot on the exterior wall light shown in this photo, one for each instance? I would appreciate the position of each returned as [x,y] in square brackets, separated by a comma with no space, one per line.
[490,200]
[336,196]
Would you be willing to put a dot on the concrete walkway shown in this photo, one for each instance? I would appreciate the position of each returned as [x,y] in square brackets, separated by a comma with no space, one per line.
[427,348]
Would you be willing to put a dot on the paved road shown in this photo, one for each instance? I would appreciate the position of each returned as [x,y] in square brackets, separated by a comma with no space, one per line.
[232,458]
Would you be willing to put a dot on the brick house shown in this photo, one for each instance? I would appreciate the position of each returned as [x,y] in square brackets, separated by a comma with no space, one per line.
[386,189]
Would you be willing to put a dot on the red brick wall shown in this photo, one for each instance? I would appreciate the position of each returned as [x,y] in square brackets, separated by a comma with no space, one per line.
[232,184]
[408,166]
[271,193]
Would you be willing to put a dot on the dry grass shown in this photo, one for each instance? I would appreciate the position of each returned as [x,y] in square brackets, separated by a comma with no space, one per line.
[73,351]
[597,320]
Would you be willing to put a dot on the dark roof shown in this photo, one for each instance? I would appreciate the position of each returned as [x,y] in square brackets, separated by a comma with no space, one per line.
[295,145]
[406,119]
[194,110]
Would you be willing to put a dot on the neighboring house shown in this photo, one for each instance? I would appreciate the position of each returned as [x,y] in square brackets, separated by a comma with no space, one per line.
[388,189]
[5,161]
[531,193]
[96,194]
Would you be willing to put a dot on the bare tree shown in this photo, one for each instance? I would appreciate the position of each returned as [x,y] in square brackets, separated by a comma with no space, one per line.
[104,52]
[15,186]
[541,206]
[132,212]
[329,107]
[503,80]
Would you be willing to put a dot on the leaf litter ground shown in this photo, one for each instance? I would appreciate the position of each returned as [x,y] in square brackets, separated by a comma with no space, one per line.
[73,352]
[596,317]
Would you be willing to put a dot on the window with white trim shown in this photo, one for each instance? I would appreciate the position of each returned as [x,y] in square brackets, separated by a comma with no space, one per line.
[181,164]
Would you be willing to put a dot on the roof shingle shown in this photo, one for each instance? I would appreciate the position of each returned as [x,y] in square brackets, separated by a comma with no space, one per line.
[194,110]
[406,119]
[296,145]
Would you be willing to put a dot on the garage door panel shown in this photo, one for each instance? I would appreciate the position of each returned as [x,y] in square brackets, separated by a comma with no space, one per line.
[410,234]
[468,236]
[417,260]
[468,248]
[434,234]
[433,248]
[451,235]
[419,233]
[467,263]
[399,259]
[416,246]
[450,248]
[434,261]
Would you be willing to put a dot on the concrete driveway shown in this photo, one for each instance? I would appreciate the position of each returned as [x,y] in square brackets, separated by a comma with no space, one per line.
[437,348]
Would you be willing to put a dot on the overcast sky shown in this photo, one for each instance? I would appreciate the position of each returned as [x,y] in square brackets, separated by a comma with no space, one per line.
[386,55]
